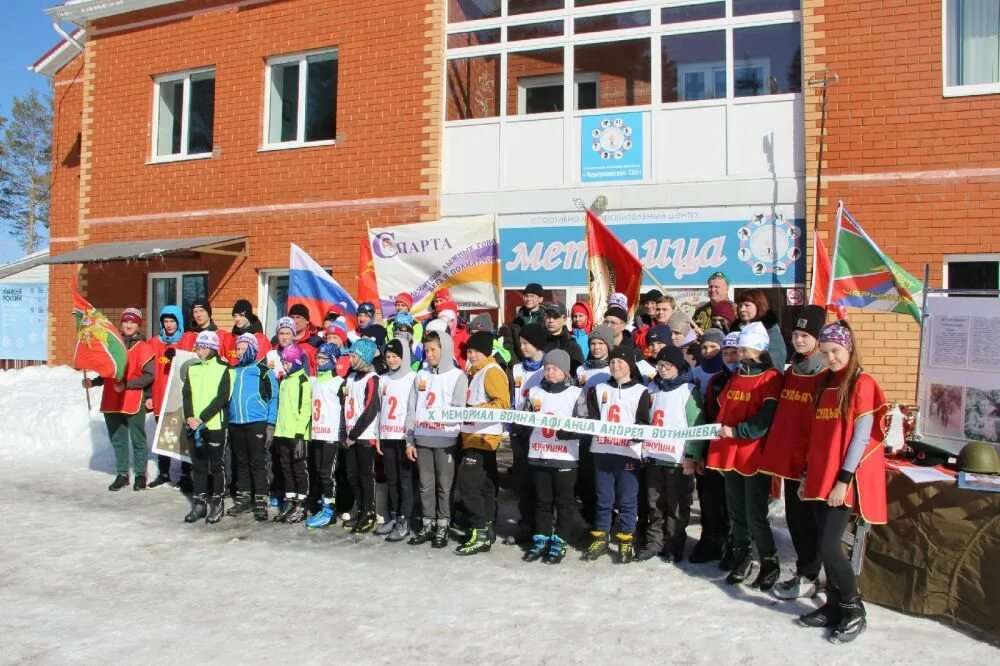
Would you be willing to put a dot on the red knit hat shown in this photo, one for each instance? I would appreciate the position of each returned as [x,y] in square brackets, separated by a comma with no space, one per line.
[404,298]
[442,294]
[132,314]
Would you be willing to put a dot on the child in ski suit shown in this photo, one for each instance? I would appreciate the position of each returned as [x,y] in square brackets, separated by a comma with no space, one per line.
[526,375]
[292,430]
[327,435]
[399,401]
[590,373]
[362,404]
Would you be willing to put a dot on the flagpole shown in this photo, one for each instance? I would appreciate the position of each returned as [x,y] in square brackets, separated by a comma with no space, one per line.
[86,391]
[833,260]
[920,343]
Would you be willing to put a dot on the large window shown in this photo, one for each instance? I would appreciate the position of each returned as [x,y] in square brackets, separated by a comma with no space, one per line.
[184,115]
[976,271]
[972,46]
[174,289]
[301,100]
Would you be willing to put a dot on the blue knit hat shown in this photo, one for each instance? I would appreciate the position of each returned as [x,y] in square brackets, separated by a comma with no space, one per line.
[252,348]
[364,349]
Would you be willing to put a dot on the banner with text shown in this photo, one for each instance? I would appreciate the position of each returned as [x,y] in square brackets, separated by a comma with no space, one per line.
[171,437]
[24,321]
[572,424]
[459,254]
[680,247]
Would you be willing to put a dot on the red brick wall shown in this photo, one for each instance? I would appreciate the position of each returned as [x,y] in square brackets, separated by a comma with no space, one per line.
[384,169]
[892,139]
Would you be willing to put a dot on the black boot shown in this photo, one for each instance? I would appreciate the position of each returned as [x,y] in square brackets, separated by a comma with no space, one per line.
[297,514]
[768,574]
[198,509]
[726,560]
[241,504]
[425,534]
[706,550]
[140,483]
[286,508]
[827,615]
[742,565]
[159,481]
[260,507]
[215,509]
[121,481]
[440,537]
[853,621]
[185,485]
[365,524]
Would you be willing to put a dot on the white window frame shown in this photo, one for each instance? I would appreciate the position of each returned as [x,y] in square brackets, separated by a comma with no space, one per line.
[964,259]
[525,83]
[958,90]
[174,77]
[300,130]
[153,318]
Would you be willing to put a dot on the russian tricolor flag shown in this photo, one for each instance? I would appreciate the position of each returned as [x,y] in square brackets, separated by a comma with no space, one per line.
[312,286]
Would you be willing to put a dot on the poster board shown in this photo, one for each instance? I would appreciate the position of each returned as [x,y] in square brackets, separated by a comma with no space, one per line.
[24,321]
[171,432]
[959,395]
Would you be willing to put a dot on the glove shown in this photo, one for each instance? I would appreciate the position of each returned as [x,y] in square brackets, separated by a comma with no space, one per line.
[170,353]
[269,436]
[299,450]
[195,436]
[566,434]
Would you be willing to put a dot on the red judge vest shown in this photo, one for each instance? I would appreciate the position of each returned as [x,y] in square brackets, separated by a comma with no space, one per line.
[832,432]
[742,398]
[788,439]
[130,400]
[161,370]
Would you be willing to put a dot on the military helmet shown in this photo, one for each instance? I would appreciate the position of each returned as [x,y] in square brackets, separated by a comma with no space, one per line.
[980,458]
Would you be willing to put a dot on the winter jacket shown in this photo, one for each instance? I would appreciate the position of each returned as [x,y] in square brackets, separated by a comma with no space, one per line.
[497,388]
[206,392]
[565,342]
[458,396]
[294,407]
[512,338]
[254,394]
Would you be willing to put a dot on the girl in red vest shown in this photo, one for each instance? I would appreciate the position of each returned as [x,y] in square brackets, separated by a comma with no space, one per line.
[845,473]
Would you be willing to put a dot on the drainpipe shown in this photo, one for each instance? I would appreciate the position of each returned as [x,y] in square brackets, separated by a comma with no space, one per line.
[65,35]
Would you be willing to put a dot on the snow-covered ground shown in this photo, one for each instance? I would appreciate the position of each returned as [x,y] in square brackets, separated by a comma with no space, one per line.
[89,576]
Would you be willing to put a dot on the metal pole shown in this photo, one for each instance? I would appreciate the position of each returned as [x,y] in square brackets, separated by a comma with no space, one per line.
[920,343]
[824,83]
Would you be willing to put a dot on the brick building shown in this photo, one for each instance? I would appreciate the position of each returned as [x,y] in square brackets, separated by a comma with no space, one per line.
[912,146]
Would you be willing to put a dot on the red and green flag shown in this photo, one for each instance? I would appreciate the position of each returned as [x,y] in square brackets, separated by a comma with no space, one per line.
[611,267]
[99,347]
[865,277]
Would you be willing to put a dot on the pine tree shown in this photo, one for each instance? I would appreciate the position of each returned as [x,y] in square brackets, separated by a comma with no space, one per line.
[25,169]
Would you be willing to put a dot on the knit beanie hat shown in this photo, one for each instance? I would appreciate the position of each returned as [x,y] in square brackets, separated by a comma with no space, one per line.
[437,326]
[534,334]
[286,322]
[203,304]
[725,310]
[364,349]
[330,350]
[294,355]
[338,328]
[558,358]
[754,336]
[404,319]
[618,300]
[132,314]
[375,332]
[482,342]
[659,333]
[713,335]
[366,308]
[394,346]
[731,341]
[207,340]
[404,298]
[251,341]
[299,309]
[675,357]
[481,322]
[242,307]
[811,320]
[605,334]
[442,294]
[679,323]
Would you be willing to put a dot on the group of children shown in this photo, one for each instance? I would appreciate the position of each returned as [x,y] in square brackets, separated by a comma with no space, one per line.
[815,426]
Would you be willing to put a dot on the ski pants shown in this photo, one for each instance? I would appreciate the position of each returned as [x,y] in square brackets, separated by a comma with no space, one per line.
[292,460]
[712,504]
[617,481]
[436,469]
[247,441]
[477,483]
[524,484]
[128,431]
[746,498]
[398,477]
[832,521]
[323,457]
[209,458]
[361,473]
[669,495]
[553,489]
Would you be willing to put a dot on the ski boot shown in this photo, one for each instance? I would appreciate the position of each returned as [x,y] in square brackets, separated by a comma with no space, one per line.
[853,621]
[241,504]
[626,548]
[325,516]
[121,481]
[297,514]
[425,534]
[478,542]
[440,539]
[557,550]
[198,510]
[140,483]
[286,508]
[727,561]
[400,530]
[215,509]
[386,527]
[827,615]
[160,480]
[365,523]
[539,549]
[598,547]
[796,587]
[349,523]
[260,503]
[768,574]
[743,565]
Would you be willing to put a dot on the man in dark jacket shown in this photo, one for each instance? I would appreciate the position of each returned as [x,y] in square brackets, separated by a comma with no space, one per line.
[529,313]
[559,336]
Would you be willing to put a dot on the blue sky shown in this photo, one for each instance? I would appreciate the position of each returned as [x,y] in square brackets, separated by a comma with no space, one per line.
[25,34]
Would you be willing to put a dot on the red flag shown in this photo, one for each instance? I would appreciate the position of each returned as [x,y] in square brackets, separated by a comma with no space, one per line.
[367,286]
[612,268]
[821,271]
[99,346]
